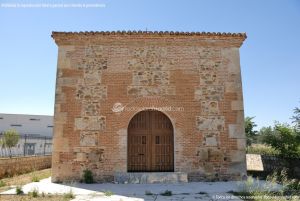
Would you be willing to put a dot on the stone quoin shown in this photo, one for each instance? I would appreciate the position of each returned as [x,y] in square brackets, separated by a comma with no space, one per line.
[152,102]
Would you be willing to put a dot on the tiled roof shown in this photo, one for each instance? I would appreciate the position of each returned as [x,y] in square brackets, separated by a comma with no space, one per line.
[88,33]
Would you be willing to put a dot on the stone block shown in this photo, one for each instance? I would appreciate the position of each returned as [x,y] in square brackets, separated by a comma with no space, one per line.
[236,131]
[237,168]
[211,138]
[237,105]
[150,78]
[216,123]
[237,155]
[254,162]
[215,154]
[88,138]
[233,87]
[233,59]
[209,107]
[202,154]
[67,81]
[215,93]
[96,123]
[241,144]
[91,93]
[150,90]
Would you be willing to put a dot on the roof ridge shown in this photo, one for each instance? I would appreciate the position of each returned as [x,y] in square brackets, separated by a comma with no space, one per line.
[153,33]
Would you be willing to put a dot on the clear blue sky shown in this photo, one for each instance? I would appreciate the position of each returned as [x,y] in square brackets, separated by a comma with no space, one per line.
[270,57]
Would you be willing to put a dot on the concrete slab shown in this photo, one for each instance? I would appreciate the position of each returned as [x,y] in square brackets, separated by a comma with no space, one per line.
[137,192]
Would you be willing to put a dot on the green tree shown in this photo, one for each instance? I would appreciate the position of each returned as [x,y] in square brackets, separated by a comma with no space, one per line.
[251,134]
[296,118]
[283,138]
[10,139]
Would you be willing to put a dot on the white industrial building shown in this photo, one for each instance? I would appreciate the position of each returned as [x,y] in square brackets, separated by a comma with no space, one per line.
[35,133]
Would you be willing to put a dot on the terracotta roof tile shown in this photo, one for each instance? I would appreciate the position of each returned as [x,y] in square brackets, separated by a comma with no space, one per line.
[243,35]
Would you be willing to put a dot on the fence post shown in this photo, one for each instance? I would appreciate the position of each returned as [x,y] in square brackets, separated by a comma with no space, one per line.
[25,144]
[45,146]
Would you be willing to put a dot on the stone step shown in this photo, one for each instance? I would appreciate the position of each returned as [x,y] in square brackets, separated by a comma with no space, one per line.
[150,177]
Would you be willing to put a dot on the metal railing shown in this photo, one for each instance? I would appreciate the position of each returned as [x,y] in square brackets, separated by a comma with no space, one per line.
[29,145]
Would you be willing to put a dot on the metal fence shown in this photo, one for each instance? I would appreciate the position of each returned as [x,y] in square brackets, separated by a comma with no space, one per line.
[29,145]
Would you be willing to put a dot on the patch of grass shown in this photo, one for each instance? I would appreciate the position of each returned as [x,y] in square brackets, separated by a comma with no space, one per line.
[19,190]
[20,180]
[251,190]
[69,195]
[34,193]
[88,177]
[35,178]
[29,198]
[166,193]
[148,193]
[2,183]
[108,193]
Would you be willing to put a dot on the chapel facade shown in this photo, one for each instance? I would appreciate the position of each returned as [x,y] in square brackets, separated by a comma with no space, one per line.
[129,103]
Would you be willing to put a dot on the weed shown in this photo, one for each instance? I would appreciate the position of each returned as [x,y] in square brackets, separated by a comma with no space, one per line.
[2,183]
[19,190]
[166,193]
[35,178]
[34,193]
[88,177]
[108,193]
[69,195]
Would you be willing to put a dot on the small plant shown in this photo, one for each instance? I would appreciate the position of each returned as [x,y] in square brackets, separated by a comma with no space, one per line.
[35,178]
[166,193]
[88,177]
[2,183]
[108,193]
[19,190]
[69,195]
[34,193]
[148,193]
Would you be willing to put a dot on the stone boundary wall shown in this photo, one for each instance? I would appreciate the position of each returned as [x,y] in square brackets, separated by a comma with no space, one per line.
[20,165]
[263,165]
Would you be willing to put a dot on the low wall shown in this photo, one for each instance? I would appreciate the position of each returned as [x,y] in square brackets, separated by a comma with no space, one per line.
[20,165]
[264,165]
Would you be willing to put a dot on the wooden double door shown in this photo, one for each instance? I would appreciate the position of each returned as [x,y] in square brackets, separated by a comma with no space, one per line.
[150,143]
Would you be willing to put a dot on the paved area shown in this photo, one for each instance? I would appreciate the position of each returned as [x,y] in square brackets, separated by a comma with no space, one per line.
[137,192]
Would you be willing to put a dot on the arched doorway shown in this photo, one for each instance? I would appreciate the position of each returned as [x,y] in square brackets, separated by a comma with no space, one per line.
[150,143]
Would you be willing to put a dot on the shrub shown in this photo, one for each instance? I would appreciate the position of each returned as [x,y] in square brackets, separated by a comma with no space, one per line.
[262,149]
[283,138]
[19,190]
[88,177]
[166,193]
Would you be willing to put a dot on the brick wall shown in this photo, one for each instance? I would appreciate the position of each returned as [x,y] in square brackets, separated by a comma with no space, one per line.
[19,165]
[197,72]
